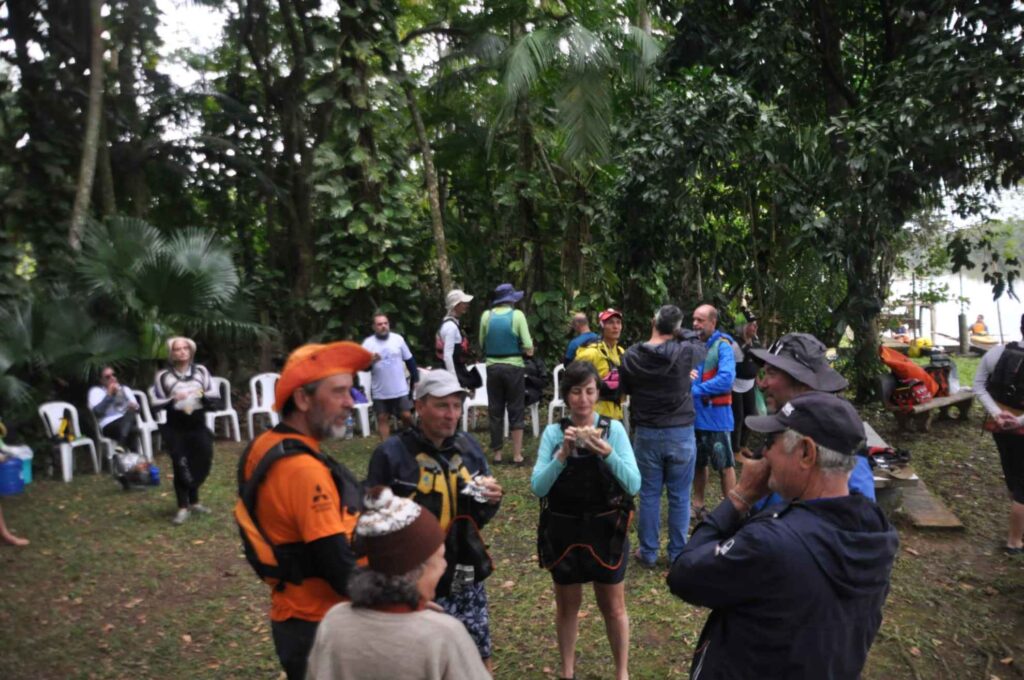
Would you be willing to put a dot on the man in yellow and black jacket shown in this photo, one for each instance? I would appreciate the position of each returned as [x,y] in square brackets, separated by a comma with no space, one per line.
[446,472]
[297,508]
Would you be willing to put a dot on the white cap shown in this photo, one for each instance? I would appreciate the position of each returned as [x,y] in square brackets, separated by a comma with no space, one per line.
[438,383]
[455,297]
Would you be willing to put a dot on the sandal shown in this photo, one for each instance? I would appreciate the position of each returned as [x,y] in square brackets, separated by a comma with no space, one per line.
[699,513]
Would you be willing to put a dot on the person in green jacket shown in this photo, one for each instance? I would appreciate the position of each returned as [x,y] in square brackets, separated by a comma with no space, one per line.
[505,339]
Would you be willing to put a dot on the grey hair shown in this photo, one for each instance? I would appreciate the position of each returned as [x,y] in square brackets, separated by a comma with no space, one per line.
[368,588]
[829,461]
[188,341]
[668,319]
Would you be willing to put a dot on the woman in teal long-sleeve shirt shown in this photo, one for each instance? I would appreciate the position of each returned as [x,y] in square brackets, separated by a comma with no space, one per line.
[586,476]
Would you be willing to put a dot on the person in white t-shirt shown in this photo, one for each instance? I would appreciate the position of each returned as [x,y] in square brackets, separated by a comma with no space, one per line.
[389,387]
[115,406]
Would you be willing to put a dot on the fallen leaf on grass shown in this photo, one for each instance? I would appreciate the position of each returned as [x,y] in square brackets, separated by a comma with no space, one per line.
[912,552]
[186,638]
[134,602]
[547,670]
[583,614]
[108,627]
[198,541]
[508,584]
[966,587]
[914,651]
[1006,661]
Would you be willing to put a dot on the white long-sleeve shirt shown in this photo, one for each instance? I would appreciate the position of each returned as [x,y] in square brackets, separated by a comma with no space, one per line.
[985,370]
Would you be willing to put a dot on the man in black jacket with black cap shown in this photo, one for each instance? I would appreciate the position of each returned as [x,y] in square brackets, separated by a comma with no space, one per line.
[797,590]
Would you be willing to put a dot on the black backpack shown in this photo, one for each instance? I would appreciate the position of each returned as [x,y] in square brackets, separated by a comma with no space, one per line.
[1006,384]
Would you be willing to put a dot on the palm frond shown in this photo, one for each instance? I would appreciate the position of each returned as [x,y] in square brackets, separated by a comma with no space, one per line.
[526,60]
[640,53]
[198,254]
[584,109]
[112,254]
[584,49]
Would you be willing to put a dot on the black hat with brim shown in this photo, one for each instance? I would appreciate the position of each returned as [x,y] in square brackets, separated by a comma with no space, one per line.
[802,356]
[828,420]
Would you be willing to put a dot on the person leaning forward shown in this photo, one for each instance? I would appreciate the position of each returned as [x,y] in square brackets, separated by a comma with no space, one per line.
[795,591]
[446,472]
[298,508]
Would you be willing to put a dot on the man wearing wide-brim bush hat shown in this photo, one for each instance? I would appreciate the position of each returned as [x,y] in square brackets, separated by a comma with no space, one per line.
[795,364]
[505,338]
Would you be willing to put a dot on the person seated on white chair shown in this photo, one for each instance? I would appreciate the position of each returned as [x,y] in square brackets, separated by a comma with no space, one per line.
[115,407]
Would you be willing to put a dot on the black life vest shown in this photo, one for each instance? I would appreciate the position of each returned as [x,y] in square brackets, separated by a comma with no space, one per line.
[1006,383]
[586,509]
[439,490]
[290,562]
[587,484]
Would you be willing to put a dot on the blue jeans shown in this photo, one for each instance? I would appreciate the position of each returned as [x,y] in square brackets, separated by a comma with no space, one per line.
[666,457]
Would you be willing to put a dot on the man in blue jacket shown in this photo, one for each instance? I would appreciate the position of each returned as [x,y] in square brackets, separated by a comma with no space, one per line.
[712,401]
[797,590]
[796,364]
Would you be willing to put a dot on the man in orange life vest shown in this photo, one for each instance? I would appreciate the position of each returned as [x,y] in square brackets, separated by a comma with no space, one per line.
[299,501]
[712,401]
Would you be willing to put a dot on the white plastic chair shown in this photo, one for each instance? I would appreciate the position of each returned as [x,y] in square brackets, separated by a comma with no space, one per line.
[231,414]
[107,445]
[161,415]
[479,400]
[147,426]
[363,410]
[556,398]
[51,412]
[534,411]
[261,391]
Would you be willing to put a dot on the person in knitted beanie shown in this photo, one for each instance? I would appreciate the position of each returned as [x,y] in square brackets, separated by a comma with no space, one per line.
[391,628]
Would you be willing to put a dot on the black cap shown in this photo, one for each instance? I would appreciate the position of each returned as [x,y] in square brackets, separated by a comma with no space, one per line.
[828,420]
[802,356]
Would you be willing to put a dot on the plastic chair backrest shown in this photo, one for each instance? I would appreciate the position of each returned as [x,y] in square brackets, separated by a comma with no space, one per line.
[145,414]
[365,380]
[51,413]
[261,388]
[224,387]
[556,374]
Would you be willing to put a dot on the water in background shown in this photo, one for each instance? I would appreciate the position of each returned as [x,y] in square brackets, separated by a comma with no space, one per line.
[980,295]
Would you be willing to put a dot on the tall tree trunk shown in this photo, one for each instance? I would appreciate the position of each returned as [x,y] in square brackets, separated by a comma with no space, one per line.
[90,143]
[108,198]
[430,174]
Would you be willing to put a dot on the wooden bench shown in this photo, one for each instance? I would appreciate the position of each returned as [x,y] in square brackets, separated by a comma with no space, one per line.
[910,496]
[923,414]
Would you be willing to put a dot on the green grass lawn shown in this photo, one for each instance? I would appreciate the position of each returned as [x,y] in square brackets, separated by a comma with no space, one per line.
[109,589]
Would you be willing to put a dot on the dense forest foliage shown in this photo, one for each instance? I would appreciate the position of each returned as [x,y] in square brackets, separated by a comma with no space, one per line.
[337,158]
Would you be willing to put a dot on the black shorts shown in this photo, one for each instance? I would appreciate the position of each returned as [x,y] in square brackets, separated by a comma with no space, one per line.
[392,407]
[1011,456]
[580,566]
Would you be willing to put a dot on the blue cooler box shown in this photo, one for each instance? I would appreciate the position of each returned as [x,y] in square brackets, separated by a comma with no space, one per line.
[11,482]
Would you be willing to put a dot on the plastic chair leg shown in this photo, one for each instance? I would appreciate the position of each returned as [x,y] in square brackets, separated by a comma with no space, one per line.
[67,463]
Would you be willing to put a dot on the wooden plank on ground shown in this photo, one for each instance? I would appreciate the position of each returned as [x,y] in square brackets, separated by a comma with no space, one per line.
[925,510]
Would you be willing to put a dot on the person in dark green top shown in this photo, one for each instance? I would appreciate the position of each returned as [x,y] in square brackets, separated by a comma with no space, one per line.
[505,339]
